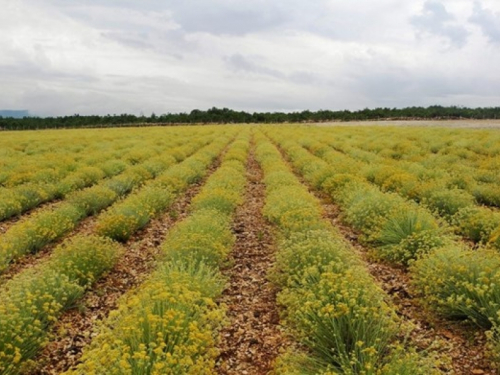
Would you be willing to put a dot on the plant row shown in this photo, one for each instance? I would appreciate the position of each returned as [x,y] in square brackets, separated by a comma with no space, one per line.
[458,207]
[36,231]
[36,297]
[169,324]
[23,197]
[452,279]
[472,176]
[332,304]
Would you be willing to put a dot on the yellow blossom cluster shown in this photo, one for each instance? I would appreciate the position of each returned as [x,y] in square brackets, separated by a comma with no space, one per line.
[33,299]
[125,218]
[453,279]
[34,232]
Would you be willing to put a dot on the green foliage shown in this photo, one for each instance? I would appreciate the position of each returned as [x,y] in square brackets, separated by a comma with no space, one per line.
[461,283]
[448,202]
[134,213]
[488,194]
[409,234]
[93,199]
[341,317]
[476,223]
[203,237]
[33,233]
[33,300]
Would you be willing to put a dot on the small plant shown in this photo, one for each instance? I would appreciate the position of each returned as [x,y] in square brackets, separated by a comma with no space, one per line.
[461,283]
[408,235]
[476,223]
[448,202]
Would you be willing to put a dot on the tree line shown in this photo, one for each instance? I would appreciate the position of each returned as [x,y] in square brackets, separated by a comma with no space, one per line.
[229,116]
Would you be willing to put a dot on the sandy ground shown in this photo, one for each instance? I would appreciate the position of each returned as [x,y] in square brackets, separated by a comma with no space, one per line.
[470,124]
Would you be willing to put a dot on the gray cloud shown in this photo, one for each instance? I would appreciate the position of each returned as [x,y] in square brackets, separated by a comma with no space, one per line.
[436,20]
[488,21]
[240,63]
[104,56]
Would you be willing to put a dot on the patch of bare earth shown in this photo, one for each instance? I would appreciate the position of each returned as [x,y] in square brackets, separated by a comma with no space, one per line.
[252,340]
[465,123]
[76,327]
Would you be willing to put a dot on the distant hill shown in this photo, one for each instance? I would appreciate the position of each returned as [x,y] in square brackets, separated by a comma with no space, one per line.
[14,113]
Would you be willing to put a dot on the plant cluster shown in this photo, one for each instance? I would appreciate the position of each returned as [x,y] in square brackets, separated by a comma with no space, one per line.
[32,301]
[456,281]
[34,232]
[135,212]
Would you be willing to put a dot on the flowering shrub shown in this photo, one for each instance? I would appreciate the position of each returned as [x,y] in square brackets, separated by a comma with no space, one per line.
[476,223]
[461,283]
[32,301]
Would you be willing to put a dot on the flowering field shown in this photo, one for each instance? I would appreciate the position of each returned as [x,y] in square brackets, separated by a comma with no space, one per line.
[250,250]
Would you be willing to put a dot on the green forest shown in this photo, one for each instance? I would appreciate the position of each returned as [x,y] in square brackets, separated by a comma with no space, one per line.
[229,116]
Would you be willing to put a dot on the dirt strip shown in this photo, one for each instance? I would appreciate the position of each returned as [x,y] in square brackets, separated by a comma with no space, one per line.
[252,341]
[459,347]
[76,328]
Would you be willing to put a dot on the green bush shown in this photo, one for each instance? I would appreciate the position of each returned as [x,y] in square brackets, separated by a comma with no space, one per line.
[476,223]
[409,234]
[461,283]
[33,299]
[448,202]
[203,237]
[341,318]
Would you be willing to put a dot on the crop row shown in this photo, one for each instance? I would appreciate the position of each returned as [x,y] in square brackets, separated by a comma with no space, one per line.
[169,324]
[441,193]
[36,231]
[470,176]
[34,298]
[454,280]
[333,306]
[60,183]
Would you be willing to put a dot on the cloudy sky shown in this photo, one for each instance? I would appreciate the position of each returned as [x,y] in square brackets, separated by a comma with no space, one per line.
[60,57]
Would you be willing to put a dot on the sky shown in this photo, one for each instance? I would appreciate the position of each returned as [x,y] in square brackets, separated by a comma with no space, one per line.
[62,57]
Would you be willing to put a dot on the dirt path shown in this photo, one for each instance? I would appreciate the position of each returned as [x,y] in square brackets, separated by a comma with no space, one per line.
[253,339]
[76,328]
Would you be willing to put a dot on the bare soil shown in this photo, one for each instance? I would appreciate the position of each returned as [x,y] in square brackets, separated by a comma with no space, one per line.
[253,339]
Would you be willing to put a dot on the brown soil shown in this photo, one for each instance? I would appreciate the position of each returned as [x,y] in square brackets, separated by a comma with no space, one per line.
[76,328]
[252,341]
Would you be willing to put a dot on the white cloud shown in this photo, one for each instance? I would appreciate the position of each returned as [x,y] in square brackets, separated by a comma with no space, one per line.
[436,20]
[64,57]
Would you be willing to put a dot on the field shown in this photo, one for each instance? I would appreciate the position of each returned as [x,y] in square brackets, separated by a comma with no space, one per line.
[244,249]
